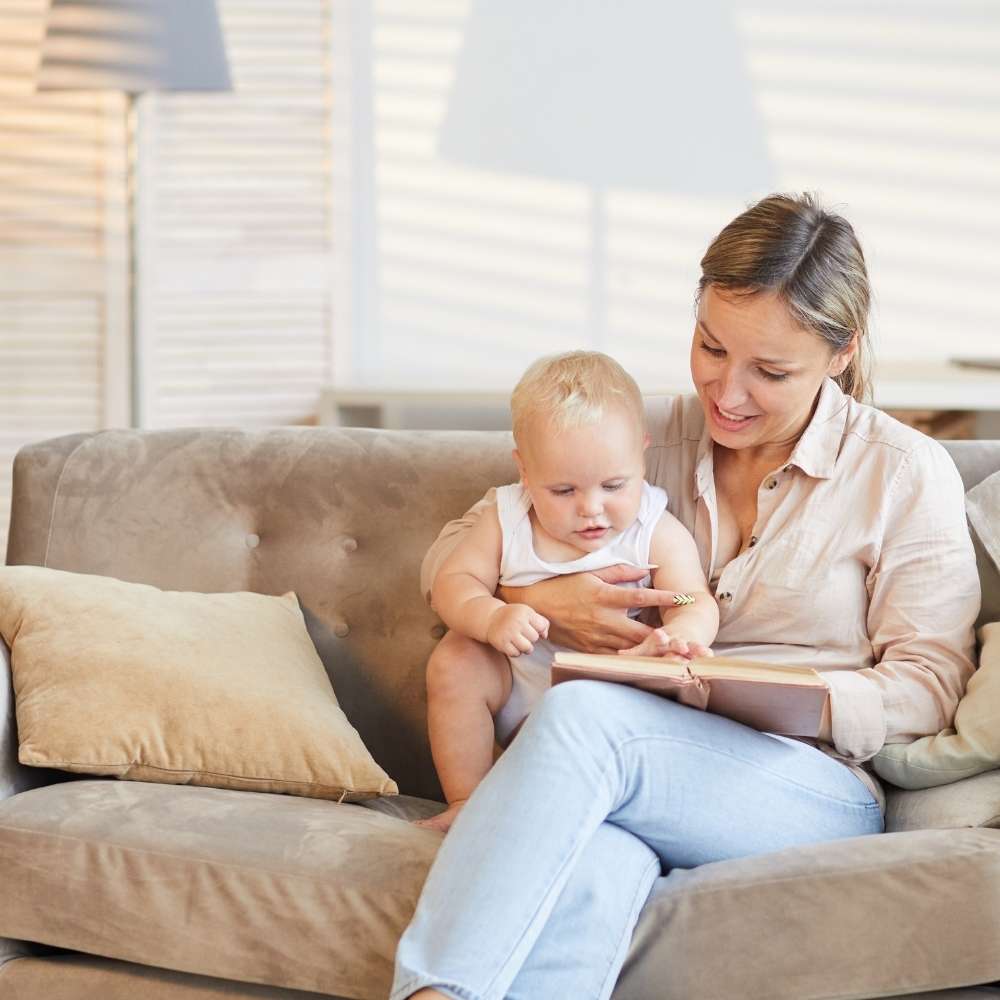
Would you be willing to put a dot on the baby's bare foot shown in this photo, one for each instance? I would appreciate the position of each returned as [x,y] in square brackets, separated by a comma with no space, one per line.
[442,821]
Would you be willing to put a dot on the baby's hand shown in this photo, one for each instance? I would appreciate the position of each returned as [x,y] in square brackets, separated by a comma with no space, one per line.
[660,642]
[515,628]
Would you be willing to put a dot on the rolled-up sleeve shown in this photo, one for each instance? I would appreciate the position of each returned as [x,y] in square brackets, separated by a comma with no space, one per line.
[924,597]
[451,534]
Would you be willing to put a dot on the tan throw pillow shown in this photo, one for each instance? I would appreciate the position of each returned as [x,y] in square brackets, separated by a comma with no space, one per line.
[972,746]
[204,689]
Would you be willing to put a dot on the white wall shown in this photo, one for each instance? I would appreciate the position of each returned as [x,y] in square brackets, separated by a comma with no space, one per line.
[540,176]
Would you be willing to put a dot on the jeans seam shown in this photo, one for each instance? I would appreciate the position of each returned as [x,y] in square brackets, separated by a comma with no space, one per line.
[424,982]
[544,896]
[764,770]
[605,991]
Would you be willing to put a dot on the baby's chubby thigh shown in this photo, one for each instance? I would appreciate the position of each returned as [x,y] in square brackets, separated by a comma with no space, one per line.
[461,668]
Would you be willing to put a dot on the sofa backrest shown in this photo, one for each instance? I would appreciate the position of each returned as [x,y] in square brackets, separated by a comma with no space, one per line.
[341,516]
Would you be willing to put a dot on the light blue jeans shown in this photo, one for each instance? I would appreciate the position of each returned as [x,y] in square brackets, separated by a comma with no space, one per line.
[539,883]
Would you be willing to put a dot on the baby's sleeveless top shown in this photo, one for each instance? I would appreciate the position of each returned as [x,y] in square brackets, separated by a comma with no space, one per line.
[521,566]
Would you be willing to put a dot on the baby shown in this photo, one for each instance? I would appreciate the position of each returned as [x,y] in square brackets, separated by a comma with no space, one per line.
[582,504]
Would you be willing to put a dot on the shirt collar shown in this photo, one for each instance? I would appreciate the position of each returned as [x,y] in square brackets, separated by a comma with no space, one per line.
[816,451]
[704,467]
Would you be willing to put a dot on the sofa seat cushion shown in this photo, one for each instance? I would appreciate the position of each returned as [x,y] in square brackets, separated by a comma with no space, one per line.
[85,977]
[313,895]
[262,888]
[877,916]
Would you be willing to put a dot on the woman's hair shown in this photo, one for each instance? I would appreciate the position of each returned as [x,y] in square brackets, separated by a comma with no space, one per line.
[572,390]
[790,245]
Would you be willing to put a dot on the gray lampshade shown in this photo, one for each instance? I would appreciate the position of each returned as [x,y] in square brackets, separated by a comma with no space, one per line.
[134,46]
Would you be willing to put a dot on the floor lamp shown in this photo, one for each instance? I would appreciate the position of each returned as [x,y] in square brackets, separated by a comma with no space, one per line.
[133,46]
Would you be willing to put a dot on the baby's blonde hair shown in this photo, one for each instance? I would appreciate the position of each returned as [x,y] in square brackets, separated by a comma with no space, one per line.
[572,390]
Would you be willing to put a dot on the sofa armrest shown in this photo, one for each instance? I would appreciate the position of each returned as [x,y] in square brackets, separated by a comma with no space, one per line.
[14,777]
[972,802]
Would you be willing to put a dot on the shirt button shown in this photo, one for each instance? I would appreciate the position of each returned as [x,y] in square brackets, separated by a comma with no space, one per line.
[252,541]
[753,541]
[787,468]
[341,628]
[725,597]
[771,483]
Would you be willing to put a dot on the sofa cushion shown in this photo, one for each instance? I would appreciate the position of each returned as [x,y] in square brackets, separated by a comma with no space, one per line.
[211,689]
[971,802]
[294,892]
[970,746]
[313,895]
[862,917]
[85,977]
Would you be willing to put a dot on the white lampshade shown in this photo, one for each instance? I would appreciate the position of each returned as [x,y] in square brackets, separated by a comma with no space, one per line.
[134,46]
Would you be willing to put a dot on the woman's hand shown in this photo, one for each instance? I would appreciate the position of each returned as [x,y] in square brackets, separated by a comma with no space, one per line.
[660,642]
[587,612]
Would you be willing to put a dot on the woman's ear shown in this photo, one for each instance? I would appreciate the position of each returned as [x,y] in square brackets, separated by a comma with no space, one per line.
[840,360]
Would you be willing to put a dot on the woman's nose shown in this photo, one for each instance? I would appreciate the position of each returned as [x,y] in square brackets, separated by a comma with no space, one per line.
[732,394]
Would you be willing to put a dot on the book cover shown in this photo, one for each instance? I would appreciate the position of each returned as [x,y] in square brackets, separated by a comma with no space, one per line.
[773,698]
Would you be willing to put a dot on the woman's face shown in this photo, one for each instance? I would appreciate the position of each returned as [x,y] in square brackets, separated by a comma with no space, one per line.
[756,371]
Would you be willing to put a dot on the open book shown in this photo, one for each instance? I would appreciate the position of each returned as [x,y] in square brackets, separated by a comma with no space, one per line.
[772,698]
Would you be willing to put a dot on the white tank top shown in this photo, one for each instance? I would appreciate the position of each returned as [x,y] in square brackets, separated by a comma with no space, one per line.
[521,566]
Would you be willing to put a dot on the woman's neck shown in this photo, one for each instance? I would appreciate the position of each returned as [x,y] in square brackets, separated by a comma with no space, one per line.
[760,457]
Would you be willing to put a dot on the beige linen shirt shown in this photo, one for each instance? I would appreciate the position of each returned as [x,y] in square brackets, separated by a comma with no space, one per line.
[862,568]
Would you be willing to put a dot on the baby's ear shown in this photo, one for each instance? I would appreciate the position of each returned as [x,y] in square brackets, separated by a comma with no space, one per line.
[519,462]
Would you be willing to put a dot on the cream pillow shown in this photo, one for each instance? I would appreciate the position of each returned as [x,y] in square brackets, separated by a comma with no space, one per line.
[972,746]
[185,688]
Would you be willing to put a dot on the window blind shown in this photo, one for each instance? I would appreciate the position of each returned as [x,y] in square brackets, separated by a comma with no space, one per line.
[235,229]
[63,367]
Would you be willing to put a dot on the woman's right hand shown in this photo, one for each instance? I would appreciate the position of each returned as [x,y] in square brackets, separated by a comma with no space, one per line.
[587,611]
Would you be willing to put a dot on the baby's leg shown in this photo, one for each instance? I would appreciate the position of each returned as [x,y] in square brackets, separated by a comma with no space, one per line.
[467,683]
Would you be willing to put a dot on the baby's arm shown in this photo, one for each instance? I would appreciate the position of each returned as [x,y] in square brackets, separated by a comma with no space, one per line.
[687,629]
[462,593]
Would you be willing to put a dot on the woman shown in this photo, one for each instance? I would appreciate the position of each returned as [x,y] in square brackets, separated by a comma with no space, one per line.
[833,536]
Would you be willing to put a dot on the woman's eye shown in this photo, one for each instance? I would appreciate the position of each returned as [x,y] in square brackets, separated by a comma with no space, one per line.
[561,493]
[774,376]
[716,352]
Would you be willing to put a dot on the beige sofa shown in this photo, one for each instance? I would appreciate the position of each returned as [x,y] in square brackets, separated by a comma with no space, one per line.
[159,892]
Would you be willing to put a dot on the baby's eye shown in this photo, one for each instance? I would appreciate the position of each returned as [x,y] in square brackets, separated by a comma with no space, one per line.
[611,487]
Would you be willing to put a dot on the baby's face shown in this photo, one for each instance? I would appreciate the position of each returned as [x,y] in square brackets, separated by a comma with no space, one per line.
[585,482]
